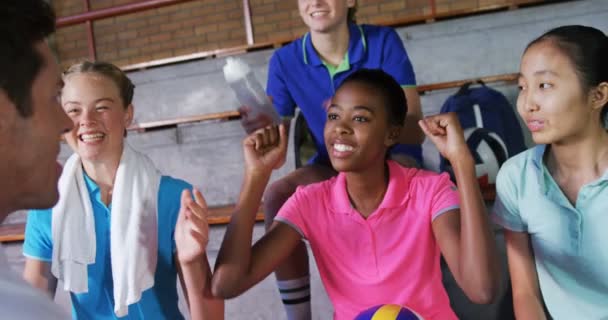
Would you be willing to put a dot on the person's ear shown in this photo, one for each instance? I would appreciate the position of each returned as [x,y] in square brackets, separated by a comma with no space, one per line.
[393,136]
[129,116]
[599,96]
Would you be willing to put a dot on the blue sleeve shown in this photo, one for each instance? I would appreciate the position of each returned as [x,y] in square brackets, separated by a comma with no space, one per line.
[395,60]
[169,201]
[506,211]
[38,242]
[277,89]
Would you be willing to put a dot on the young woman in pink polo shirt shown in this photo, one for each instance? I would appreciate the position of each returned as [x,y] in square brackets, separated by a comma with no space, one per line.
[377,229]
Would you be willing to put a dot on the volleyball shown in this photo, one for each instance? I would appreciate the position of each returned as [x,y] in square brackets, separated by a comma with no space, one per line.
[388,312]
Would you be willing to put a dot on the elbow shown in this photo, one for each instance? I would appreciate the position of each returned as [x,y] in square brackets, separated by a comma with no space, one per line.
[484,293]
[224,288]
[484,296]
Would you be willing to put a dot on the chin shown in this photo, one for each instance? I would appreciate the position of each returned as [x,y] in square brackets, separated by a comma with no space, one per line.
[342,166]
[542,139]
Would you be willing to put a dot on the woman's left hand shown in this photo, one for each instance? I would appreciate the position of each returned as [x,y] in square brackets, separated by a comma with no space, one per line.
[445,132]
[192,228]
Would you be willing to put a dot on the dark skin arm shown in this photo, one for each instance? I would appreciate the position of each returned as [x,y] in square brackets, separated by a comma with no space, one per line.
[239,266]
[464,235]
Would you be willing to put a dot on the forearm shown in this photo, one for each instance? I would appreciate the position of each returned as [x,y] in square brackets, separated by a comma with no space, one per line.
[234,259]
[528,307]
[478,260]
[38,274]
[197,282]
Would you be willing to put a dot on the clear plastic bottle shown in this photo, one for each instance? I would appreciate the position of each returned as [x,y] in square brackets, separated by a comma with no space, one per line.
[248,90]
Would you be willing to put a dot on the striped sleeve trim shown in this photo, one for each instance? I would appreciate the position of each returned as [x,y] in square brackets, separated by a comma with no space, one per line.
[407,86]
[442,211]
[36,257]
[289,223]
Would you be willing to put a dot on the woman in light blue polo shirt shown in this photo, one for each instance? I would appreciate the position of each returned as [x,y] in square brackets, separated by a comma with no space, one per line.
[121,232]
[553,199]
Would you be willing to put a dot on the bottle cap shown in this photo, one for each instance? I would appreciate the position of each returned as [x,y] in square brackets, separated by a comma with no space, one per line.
[235,69]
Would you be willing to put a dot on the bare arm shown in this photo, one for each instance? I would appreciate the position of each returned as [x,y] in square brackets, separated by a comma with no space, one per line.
[239,265]
[191,238]
[527,300]
[38,274]
[411,133]
[195,279]
[465,236]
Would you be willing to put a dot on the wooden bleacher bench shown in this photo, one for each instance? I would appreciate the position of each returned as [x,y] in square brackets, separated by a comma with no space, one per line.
[13,232]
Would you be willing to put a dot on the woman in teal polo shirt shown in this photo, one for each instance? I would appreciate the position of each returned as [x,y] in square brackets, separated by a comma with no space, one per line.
[305,74]
[553,199]
[121,232]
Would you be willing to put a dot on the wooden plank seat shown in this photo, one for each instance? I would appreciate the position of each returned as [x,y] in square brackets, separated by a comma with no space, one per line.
[12,232]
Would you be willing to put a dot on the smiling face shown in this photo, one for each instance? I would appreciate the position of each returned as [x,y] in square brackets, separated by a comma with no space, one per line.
[552,102]
[324,16]
[100,118]
[357,133]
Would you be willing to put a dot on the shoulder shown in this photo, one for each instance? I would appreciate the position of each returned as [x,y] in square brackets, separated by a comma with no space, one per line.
[290,51]
[317,189]
[515,168]
[169,184]
[170,191]
[380,34]
[41,218]
[426,177]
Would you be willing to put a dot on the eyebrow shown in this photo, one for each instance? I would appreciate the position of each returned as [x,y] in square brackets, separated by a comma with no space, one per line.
[364,108]
[368,109]
[539,73]
[96,101]
[546,72]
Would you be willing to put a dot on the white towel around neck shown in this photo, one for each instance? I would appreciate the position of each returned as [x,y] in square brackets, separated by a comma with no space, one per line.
[133,228]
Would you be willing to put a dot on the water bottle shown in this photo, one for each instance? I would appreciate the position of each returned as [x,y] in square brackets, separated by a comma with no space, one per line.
[248,90]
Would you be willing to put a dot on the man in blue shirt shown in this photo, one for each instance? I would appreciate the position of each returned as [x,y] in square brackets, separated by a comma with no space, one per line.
[305,74]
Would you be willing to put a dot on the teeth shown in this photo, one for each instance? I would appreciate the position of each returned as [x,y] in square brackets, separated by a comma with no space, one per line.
[92,137]
[314,14]
[343,147]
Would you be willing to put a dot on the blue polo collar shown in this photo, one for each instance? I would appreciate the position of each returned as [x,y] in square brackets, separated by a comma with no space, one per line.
[357,46]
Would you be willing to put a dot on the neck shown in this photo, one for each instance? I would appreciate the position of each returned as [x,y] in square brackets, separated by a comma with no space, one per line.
[331,46]
[586,157]
[104,175]
[366,189]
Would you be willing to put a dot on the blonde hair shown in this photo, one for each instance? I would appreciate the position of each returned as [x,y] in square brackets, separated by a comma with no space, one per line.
[112,72]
